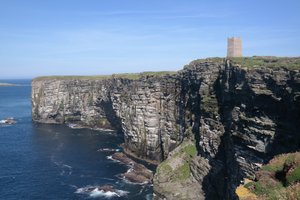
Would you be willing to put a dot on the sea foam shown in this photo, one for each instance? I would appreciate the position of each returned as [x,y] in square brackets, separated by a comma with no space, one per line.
[95,192]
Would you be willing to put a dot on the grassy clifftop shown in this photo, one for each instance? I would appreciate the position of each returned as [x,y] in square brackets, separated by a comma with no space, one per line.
[291,63]
[132,76]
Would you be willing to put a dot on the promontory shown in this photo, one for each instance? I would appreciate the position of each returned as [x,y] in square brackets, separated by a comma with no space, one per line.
[208,126]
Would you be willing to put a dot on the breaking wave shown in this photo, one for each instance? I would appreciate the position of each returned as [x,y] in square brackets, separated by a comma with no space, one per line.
[94,192]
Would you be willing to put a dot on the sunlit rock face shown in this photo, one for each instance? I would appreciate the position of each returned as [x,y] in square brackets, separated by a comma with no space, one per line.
[144,110]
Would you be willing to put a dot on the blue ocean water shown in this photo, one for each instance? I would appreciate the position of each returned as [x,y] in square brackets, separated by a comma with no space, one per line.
[39,161]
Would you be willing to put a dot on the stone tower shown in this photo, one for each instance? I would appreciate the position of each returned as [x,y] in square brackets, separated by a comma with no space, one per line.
[234,47]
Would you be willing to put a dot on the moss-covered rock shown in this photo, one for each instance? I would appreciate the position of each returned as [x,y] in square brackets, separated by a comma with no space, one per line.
[173,178]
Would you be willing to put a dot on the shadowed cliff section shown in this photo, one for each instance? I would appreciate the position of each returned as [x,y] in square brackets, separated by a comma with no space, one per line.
[237,114]
[239,121]
[258,109]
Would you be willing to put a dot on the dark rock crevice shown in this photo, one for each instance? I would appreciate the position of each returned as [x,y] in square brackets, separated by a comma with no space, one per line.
[110,120]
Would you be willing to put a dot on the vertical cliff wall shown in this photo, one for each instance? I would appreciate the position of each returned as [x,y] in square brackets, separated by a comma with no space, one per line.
[148,110]
[145,109]
[241,115]
[213,123]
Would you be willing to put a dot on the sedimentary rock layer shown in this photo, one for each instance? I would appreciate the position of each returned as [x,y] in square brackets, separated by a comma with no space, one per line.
[144,110]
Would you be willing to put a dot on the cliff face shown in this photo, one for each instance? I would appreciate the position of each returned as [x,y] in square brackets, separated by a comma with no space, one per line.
[149,115]
[144,110]
[224,119]
[70,101]
[240,118]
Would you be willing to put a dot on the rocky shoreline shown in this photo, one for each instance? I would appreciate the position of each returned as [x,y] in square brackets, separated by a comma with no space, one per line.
[137,173]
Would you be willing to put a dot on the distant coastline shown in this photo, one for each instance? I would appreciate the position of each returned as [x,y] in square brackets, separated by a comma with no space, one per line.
[8,84]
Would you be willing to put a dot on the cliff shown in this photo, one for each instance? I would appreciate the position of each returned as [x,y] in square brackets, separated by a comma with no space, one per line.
[142,107]
[212,123]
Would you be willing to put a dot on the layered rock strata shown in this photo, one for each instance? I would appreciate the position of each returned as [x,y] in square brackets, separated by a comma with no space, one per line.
[237,113]
[144,110]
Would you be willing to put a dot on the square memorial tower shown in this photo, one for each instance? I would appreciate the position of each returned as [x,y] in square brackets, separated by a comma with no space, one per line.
[234,47]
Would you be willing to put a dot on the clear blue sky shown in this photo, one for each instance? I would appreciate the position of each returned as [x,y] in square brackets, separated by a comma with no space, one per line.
[89,37]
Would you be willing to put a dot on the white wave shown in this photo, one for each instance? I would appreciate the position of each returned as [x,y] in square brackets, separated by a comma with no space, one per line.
[129,170]
[98,193]
[74,126]
[103,129]
[125,180]
[95,192]
[67,166]
[111,158]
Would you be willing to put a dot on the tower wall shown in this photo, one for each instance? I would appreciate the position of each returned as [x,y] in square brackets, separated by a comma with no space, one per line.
[234,47]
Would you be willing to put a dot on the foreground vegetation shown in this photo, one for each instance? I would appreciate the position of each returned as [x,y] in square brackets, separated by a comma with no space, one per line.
[280,179]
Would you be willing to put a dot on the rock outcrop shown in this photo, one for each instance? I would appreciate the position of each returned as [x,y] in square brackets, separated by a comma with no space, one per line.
[237,113]
[137,173]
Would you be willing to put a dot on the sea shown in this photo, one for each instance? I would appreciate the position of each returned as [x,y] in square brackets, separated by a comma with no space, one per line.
[42,161]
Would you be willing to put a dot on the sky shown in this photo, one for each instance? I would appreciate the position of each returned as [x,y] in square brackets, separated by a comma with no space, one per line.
[94,37]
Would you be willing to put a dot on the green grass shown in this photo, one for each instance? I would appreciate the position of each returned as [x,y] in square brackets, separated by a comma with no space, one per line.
[292,63]
[266,189]
[132,76]
[164,168]
[272,168]
[294,176]
[190,150]
[249,185]
[182,173]
[212,59]
[290,159]
[267,61]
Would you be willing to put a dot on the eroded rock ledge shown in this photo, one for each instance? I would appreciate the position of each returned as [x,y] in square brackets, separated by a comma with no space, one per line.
[237,113]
